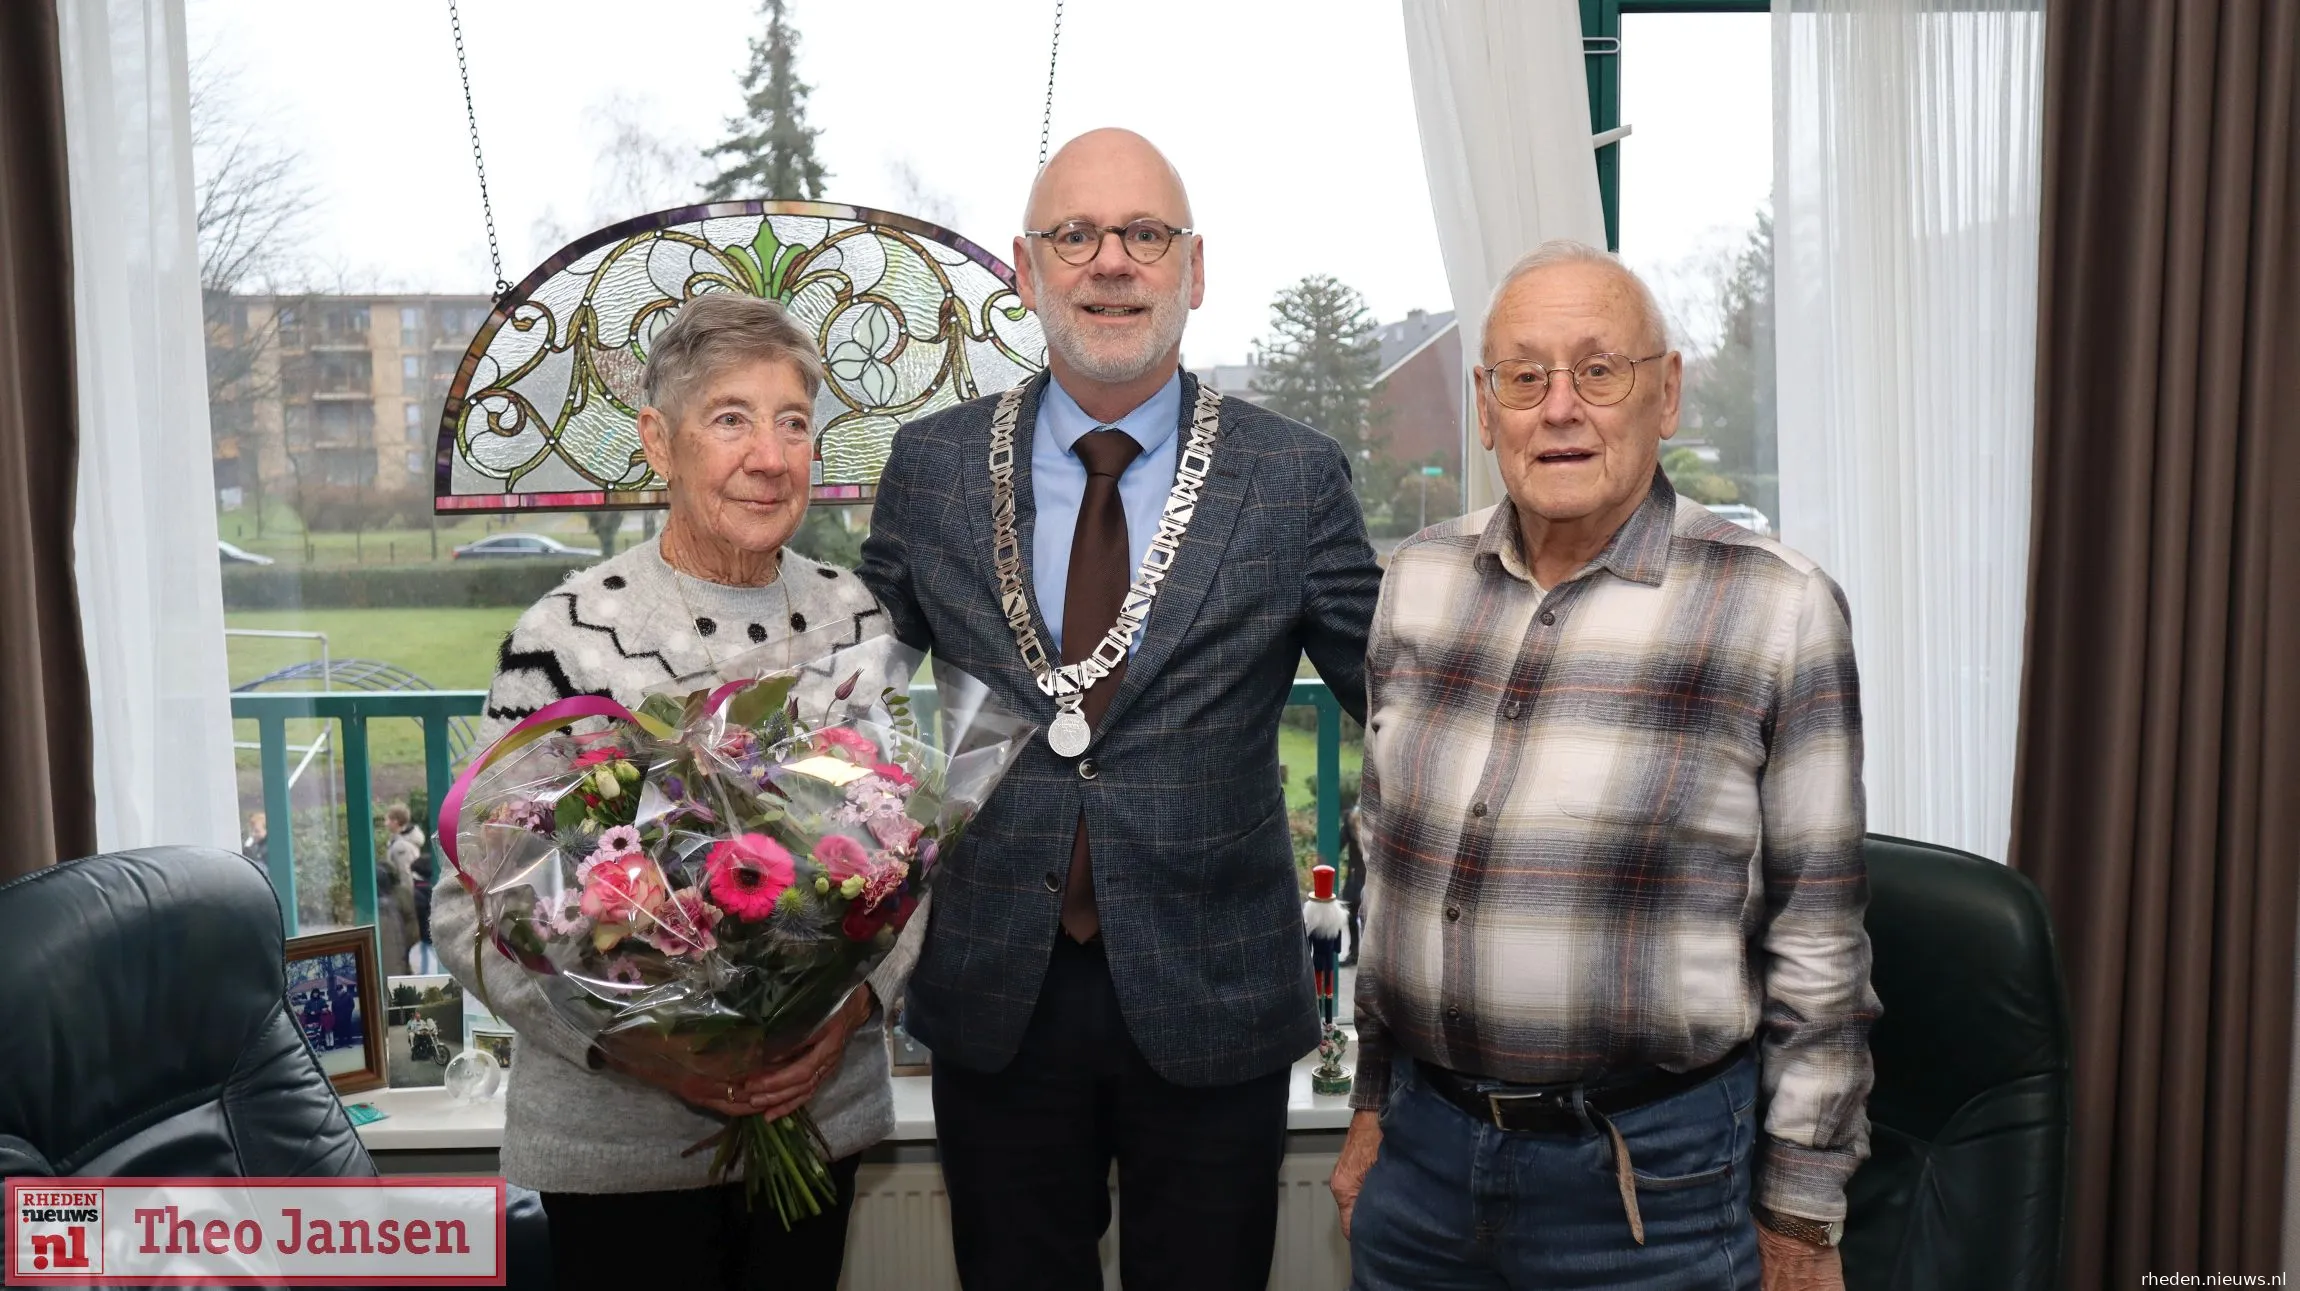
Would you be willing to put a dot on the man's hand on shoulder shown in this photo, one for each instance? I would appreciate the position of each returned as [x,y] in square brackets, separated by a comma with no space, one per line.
[1793,1265]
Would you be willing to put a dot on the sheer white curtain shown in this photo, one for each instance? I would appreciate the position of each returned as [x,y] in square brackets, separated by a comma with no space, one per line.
[1906,170]
[1503,106]
[151,604]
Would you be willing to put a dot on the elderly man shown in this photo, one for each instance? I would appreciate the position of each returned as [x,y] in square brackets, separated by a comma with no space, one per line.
[1613,799]
[1114,965]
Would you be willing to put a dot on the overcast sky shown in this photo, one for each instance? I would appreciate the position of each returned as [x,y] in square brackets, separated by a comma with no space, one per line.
[1291,120]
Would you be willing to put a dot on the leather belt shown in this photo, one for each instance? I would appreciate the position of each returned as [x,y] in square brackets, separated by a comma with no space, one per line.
[1561,1109]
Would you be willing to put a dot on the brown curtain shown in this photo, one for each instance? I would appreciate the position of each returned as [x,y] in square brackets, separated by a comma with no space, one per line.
[47,793]
[2160,715]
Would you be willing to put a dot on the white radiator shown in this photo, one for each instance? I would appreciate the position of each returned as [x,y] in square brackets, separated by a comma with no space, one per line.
[899,1238]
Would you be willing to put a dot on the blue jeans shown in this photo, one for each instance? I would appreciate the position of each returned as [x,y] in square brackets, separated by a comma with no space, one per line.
[1454,1204]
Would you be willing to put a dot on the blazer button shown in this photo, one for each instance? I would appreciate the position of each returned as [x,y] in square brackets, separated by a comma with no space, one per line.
[1453,1013]
[1548,617]
[1452,912]
[1477,809]
[1086,768]
[1054,880]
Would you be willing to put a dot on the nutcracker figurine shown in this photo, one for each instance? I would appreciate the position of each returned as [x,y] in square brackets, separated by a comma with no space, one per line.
[1326,922]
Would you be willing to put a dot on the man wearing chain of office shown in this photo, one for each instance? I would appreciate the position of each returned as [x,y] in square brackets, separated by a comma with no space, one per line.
[1114,966]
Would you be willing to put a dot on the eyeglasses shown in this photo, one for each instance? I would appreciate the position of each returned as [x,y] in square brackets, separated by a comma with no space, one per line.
[1078,241]
[1599,379]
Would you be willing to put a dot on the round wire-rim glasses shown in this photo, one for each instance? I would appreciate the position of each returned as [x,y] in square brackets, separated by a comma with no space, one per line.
[1078,241]
[1600,379]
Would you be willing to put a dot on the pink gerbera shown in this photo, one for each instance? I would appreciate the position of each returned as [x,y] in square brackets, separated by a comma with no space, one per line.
[622,840]
[841,857]
[747,874]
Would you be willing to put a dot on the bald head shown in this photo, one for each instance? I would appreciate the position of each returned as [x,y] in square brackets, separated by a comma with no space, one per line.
[1630,290]
[1109,176]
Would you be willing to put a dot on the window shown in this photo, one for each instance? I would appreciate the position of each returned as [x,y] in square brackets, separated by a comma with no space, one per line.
[420,288]
[1688,198]
[347,467]
[335,421]
[344,325]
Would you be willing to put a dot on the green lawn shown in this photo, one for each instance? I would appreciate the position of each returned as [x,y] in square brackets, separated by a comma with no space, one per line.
[1298,750]
[450,649]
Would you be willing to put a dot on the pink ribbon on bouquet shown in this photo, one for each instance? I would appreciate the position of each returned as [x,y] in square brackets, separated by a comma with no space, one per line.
[534,727]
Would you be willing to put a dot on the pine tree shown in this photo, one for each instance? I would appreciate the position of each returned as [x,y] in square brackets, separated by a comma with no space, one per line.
[770,149]
[1319,363]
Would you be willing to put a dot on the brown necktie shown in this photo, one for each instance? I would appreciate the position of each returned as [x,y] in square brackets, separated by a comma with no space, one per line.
[1099,573]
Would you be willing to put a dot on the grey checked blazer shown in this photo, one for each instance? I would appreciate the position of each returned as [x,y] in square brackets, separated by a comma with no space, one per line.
[1193,865]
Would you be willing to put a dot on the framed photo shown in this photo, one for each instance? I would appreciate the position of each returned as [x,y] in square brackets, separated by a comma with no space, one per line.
[334,992]
[423,1029]
[497,1043]
[908,1057]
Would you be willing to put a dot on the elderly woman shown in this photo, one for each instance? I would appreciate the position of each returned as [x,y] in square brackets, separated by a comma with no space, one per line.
[731,386]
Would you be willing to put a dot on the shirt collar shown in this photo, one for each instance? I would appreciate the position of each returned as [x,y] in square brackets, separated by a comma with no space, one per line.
[1151,423]
[1639,551]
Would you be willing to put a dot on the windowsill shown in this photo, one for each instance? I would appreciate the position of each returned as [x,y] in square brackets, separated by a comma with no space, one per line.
[427,1120]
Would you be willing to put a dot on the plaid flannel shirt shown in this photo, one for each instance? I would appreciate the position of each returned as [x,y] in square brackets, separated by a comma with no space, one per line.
[1617,823]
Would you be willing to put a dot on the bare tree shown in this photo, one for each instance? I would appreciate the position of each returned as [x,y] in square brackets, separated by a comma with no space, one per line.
[250,200]
[917,197]
[640,169]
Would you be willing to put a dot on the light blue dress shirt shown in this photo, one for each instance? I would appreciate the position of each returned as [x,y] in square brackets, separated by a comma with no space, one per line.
[1058,486]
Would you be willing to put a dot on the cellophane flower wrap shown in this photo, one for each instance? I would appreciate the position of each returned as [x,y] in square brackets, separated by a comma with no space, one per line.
[703,882]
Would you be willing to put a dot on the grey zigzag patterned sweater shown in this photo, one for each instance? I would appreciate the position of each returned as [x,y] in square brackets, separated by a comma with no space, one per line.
[617,629]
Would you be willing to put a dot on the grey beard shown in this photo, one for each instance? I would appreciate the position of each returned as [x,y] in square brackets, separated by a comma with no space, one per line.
[1168,317]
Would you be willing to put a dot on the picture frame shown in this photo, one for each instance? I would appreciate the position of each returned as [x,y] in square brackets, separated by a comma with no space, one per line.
[497,1044]
[906,1056]
[334,992]
[424,1028]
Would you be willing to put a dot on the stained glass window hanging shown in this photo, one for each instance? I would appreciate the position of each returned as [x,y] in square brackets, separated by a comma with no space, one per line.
[910,318]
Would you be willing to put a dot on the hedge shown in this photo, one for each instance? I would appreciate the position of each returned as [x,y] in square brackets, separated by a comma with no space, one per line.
[471,583]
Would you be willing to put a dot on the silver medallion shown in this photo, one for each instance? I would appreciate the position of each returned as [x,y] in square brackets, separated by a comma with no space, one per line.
[1069,735]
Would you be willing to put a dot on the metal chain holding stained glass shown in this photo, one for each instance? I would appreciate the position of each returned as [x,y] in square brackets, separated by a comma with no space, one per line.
[1053,56]
[910,318]
[471,117]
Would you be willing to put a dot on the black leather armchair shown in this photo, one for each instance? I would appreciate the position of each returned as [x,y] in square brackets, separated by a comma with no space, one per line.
[148,1034]
[1969,1120]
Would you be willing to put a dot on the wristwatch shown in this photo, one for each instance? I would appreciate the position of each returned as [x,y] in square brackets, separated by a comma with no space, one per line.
[1810,1231]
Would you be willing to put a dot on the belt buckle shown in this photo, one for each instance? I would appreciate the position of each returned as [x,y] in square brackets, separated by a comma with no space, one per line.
[1496,1099]
[1561,1100]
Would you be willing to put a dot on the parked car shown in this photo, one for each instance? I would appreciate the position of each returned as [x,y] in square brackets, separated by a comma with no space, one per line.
[1748,517]
[520,544]
[234,556]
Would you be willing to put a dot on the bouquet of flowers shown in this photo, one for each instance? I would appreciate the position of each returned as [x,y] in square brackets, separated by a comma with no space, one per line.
[701,884]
